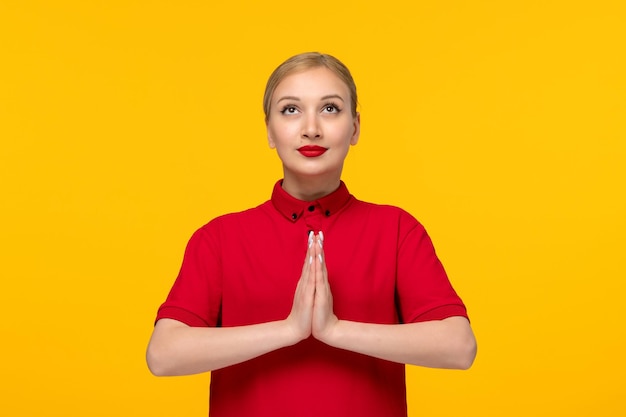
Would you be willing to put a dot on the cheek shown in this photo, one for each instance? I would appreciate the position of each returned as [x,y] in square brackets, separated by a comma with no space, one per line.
[344,133]
[280,132]
[273,135]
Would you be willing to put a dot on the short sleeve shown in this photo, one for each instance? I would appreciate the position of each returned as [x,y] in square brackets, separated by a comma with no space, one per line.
[424,291]
[195,297]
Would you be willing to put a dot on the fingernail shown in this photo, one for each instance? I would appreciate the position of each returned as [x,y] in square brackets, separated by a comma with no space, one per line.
[321,235]
[319,255]
[310,238]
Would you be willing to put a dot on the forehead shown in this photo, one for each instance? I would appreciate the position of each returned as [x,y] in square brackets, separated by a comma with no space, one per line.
[311,83]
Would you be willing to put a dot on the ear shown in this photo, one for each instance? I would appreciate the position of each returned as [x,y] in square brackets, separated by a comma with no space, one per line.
[270,141]
[357,130]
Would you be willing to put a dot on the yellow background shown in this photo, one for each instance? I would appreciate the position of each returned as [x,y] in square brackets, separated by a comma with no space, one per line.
[125,125]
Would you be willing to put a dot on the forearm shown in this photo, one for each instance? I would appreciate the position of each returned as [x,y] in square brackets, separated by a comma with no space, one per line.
[447,343]
[177,349]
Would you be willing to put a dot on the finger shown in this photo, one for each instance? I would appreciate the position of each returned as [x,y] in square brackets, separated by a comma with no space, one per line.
[306,263]
[305,275]
[319,264]
[320,249]
[307,278]
[321,257]
[322,286]
[310,252]
[310,244]
[320,244]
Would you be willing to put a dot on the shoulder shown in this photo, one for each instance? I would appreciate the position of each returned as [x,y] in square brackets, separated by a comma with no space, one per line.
[387,219]
[386,212]
[229,222]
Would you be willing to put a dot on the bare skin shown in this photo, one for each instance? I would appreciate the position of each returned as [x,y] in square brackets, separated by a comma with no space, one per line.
[177,349]
[308,117]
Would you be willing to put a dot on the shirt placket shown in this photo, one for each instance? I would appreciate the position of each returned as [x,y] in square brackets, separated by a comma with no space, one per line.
[313,217]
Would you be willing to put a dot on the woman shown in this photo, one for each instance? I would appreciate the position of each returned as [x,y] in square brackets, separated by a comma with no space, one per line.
[311,303]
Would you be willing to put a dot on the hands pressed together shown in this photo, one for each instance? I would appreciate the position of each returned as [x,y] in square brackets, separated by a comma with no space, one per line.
[178,349]
[312,310]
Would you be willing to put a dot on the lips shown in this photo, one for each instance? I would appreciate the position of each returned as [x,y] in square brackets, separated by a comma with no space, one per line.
[311,151]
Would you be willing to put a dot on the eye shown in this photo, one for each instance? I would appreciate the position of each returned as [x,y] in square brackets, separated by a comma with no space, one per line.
[331,108]
[289,109]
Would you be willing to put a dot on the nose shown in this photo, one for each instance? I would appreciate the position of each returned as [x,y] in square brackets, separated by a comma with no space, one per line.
[311,128]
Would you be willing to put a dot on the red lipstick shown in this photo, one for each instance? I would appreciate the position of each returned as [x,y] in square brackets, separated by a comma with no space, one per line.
[311,151]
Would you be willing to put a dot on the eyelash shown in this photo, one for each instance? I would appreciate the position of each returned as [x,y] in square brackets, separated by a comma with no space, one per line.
[333,105]
[336,108]
[287,107]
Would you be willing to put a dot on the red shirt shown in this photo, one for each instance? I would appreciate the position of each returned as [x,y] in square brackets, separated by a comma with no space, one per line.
[242,268]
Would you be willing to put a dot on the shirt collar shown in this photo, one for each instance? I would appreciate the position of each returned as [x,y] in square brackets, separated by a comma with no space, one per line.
[292,208]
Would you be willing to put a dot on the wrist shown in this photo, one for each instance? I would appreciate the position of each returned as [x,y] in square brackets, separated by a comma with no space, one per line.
[290,333]
[332,334]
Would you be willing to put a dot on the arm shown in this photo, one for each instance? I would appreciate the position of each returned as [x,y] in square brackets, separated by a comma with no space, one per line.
[447,343]
[178,349]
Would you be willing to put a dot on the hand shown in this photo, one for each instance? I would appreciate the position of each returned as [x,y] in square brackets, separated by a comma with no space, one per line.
[324,319]
[301,316]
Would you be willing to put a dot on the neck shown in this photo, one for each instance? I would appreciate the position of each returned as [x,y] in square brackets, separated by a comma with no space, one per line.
[309,189]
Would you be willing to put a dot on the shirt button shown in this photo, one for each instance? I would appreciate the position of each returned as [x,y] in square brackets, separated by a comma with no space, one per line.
[294,216]
[311,208]
[327,213]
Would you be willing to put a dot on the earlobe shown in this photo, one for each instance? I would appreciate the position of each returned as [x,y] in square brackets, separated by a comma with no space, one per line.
[357,130]
[270,141]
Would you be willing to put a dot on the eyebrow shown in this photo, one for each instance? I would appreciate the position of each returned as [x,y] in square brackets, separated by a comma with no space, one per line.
[294,98]
[332,96]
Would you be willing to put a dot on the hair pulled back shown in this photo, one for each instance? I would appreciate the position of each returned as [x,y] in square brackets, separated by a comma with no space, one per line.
[303,62]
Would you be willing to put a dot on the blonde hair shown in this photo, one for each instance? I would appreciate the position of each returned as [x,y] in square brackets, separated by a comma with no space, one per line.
[305,61]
